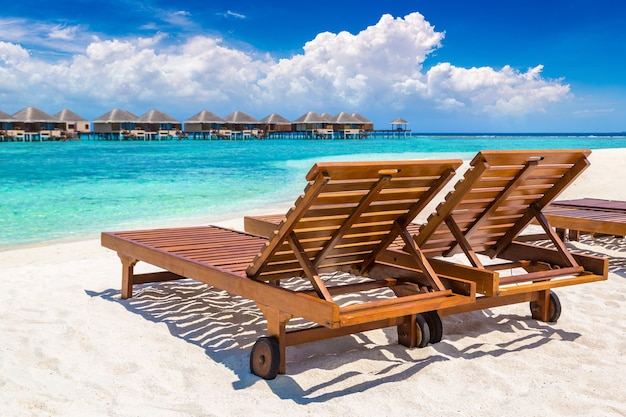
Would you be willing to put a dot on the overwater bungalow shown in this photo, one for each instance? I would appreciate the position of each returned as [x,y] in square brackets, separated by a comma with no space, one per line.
[328,130]
[205,125]
[274,125]
[347,126]
[118,125]
[6,127]
[314,125]
[32,123]
[158,125]
[71,124]
[367,124]
[242,125]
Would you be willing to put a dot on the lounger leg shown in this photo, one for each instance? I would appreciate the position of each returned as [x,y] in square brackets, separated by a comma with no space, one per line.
[547,308]
[276,327]
[541,307]
[407,332]
[128,274]
[573,235]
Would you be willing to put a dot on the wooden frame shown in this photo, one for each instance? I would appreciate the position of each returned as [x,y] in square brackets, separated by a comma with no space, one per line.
[347,218]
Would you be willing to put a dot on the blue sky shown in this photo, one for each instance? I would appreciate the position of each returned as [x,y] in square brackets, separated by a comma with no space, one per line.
[443,65]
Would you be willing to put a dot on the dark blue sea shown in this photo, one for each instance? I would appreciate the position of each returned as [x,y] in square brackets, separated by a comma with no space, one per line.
[53,191]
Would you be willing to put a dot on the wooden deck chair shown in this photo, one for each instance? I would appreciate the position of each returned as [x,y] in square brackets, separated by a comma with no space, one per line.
[587,215]
[347,217]
[501,193]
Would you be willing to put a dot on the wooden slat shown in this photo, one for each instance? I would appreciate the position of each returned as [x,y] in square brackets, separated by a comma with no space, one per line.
[541,275]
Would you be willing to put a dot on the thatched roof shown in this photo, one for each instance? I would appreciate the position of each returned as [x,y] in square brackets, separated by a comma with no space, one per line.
[361,118]
[33,115]
[311,117]
[205,117]
[345,118]
[240,117]
[5,117]
[156,116]
[275,119]
[66,115]
[399,121]
[117,116]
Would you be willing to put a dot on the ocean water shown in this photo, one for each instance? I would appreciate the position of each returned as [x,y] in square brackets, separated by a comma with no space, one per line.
[55,191]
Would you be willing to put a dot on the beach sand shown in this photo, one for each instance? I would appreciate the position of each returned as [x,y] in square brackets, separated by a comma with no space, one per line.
[70,346]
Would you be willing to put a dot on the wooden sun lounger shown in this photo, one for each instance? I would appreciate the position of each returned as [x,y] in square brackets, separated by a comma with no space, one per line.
[501,193]
[347,217]
[587,215]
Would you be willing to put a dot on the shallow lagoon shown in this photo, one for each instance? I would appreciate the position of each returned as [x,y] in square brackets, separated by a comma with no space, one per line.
[69,190]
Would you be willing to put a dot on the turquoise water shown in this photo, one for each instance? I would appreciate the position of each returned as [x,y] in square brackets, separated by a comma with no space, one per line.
[68,190]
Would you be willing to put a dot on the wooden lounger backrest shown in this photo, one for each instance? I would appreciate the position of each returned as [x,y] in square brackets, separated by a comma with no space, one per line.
[498,197]
[348,214]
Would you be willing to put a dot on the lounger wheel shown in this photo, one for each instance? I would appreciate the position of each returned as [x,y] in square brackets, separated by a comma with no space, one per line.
[265,358]
[554,308]
[435,326]
[422,331]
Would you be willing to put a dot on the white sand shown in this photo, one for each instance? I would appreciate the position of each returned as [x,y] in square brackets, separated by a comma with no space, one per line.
[70,347]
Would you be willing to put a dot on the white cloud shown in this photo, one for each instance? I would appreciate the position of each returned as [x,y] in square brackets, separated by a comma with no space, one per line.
[44,37]
[12,55]
[498,92]
[355,68]
[229,14]
[236,15]
[67,33]
[588,112]
[374,70]
[13,30]
[201,69]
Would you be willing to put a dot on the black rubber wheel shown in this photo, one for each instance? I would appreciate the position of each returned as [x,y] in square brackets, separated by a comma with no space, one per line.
[265,358]
[554,308]
[423,331]
[434,325]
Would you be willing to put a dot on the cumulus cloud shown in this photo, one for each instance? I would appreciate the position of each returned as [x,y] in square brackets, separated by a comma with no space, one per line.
[202,70]
[378,68]
[486,90]
[12,55]
[355,68]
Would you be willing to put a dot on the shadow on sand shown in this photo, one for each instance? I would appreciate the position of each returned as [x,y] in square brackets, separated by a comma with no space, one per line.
[226,327]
